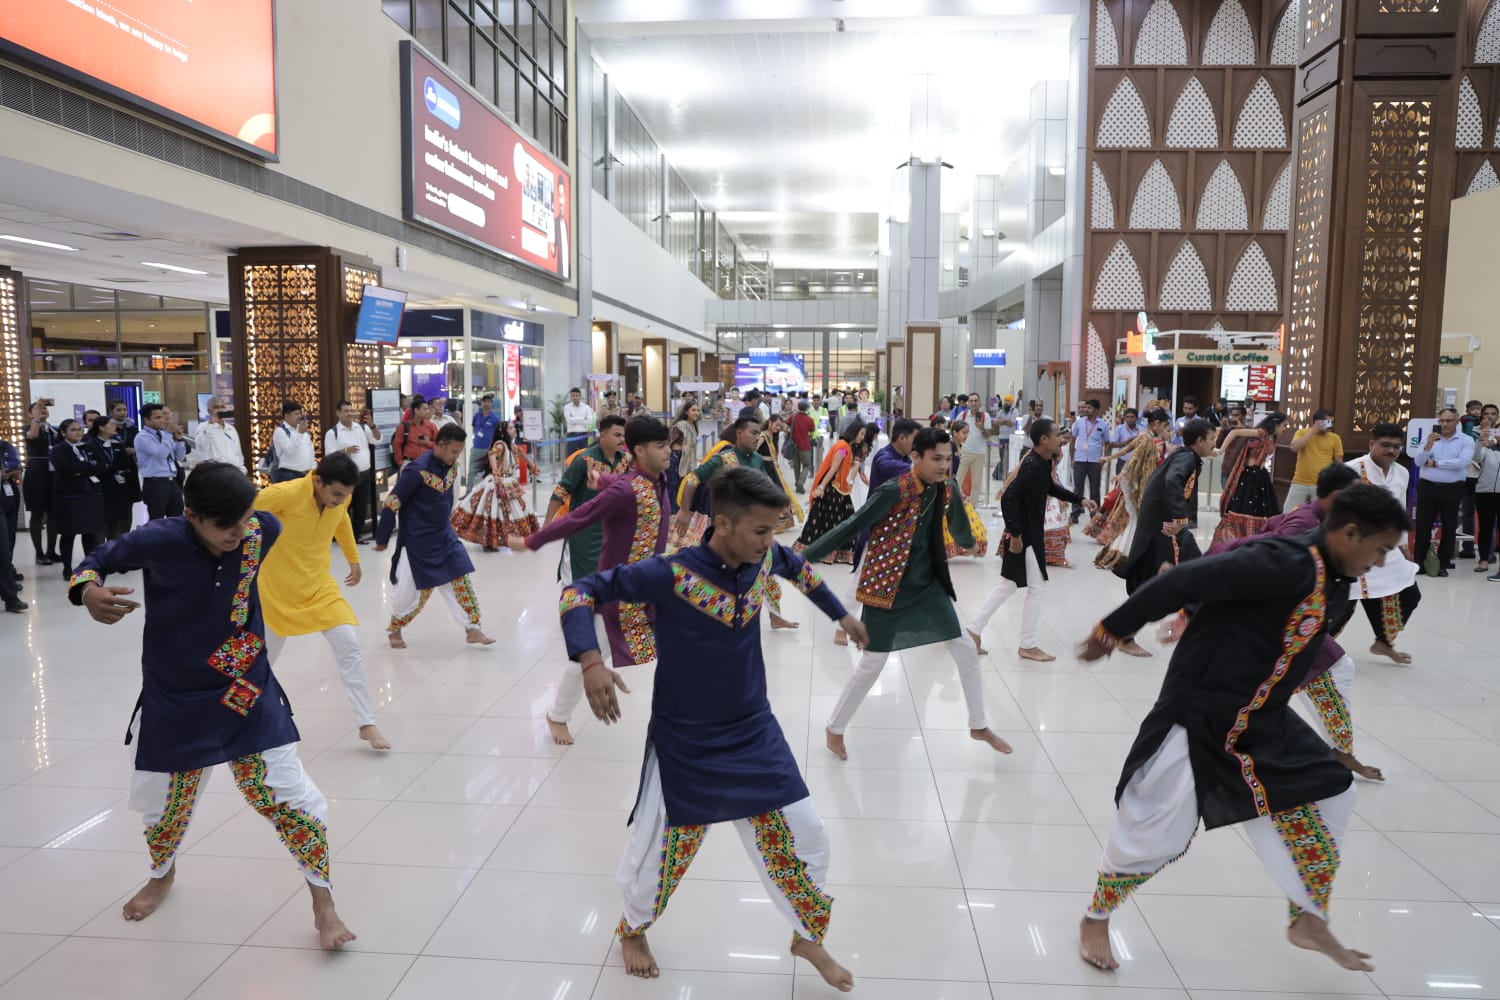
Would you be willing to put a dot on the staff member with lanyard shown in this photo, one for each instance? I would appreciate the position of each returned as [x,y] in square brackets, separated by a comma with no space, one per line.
[1088,453]
[159,454]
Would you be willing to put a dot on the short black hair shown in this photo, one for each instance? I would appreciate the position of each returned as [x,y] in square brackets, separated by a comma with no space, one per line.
[1195,430]
[1094,403]
[739,488]
[1370,508]
[1130,411]
[1325,414]
[1335,477]
[290,406]
[744,420]
[1158,416]
[147,411]
[929,438]
[853,431]
[644,430]
[904,426]
[1472,402]
[417,400]
[1040,428]
[752,395]
[1387,431]
[612,420]
[338,468]
[341,404]
[218,492]
[451,432]
[1190,399]
[576,389]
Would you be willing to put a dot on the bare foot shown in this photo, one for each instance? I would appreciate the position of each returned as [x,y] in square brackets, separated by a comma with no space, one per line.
[638,958]
[1363,770]
[1093,944]
[836,744]
[978,642]
[988,736]
[332,933]
[840,637]
[1309,932]
[145,902]
[475,637]
[779,622]
[374,737]
[1391,653]
[561,735]
[1132,648]
[1035,653]
[833,973]
[396,641]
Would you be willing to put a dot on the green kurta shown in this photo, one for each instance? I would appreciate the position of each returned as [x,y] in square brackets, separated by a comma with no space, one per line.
[922,613]
[573,488]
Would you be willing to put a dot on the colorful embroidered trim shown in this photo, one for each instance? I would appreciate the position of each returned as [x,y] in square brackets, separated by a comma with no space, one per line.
[788,872]
[646,542]
[304,835]
[399,622]
[163,839]
[84,576]
[1313,850]
[572,598]
[560,493]
[1333,710]
[463,589]
[756,595]
[442,483]
[392,504]
[241,696]
[635,628]
[890,545]
[808,579]
[1305,622]
[249,566]
[1102,636]
[238,653]
[679,845]
[1113,888]
[1391,622]
[701,594]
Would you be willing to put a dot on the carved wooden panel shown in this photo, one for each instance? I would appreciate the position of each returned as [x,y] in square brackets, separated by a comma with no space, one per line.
[15,365]
[1310,264]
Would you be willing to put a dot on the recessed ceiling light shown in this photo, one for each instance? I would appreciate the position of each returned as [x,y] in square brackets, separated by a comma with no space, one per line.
[172,267]
[39,243]
[1056,171]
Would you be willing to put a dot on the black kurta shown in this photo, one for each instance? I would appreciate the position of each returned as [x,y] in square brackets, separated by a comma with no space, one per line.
[1024,507]
[1171,494]
[1259,615]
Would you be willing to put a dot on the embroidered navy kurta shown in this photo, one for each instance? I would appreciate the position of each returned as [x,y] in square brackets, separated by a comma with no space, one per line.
[721,752]
[207,691]
[423,500]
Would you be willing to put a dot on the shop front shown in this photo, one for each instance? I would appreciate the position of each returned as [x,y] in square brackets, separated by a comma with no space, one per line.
[1242,368]
[503,358]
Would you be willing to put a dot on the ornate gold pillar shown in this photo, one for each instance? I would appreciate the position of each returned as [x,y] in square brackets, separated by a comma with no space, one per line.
[15,359]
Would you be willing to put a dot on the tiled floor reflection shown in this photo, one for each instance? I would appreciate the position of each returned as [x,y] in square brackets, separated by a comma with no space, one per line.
[477,859]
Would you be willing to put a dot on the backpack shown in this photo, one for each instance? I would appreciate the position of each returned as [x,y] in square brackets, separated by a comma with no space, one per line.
[270,462]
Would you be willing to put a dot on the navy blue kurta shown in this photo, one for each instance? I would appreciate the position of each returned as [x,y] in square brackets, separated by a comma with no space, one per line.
[423,499]
[721,752]
[207,691]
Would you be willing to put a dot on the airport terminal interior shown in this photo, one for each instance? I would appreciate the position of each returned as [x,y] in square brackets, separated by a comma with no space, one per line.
[963,499]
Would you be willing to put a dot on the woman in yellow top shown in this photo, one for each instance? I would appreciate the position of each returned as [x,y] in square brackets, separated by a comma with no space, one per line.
[832,504]
[298,594]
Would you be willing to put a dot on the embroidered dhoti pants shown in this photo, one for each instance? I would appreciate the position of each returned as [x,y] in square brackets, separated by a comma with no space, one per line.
[1158,816]
[1331,695]
[867,672]
[789,846]
[1388,615]
[272,781]
[349,659]
[407,600]
[1031,613]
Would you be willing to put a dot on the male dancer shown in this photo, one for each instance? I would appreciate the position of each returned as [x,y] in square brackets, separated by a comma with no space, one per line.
[301,595]
[714,751]
[573,490]
[890,462]
[632,513]
[428,554]
[744,452]
[208,695]
[1389,592]
[1222,744]
[1023,561]
[905,588]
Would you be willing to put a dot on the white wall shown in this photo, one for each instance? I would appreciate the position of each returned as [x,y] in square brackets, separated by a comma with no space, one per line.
[630,268]
[1471,298]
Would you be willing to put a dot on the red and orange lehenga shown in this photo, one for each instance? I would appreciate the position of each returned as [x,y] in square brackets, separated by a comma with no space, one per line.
[1249,497]
[834,505]
[1118,533]
[496,509]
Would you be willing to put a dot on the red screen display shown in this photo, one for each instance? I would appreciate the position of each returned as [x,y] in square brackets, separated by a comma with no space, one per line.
[470,173]
[210,65]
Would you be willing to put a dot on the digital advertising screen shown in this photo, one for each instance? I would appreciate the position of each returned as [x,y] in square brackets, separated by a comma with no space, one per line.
[470,173]
[379,320]
[787,373]
[208,65]
[988,358]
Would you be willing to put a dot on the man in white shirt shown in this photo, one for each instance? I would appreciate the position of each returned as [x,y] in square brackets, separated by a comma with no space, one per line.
[442,414]
[217,441]
[1388,592]
[357,440]
[971,461]
[578,420]
[293,444]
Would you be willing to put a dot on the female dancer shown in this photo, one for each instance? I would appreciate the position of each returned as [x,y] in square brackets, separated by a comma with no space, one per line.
[960,433]
[1249,497]
[684,448]
[497,510]
[77,492]
[832,486]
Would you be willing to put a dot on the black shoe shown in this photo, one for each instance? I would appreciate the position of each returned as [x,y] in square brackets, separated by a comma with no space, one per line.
[16,607]
[67,572]
[20,576]
[45,560]
[1442,572]
[1450,565]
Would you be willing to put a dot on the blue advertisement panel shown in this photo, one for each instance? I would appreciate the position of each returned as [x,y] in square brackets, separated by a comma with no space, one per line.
[773,371]
[989,358]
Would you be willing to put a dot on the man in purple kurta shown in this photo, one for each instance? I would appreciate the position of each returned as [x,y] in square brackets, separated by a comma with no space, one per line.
[632,510]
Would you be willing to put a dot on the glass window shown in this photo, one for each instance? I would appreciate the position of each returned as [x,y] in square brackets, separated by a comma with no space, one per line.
[70,331]
[427,25]
[87,297]
[164,332]
[525,18]
[398,11]
[526,105]
[484,68]
[136,300]
[559,62]
[43,294]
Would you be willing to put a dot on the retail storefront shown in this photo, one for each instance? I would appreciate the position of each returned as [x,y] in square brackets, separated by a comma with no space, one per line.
[504,358]
[1238,367]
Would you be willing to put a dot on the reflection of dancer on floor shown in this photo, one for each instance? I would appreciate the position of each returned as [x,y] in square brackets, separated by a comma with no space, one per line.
[632,511]
[428,554]
[905,588]
[299,593]
[1222,743]
[208,695]
[714,751]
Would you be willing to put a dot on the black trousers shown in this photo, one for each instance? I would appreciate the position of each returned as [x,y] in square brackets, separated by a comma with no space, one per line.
[9,592]
[1436,500]
[359,504]
[162,496]
[1086,474]
[90,543]
[1466,514]
[1409,598]
[1487,505]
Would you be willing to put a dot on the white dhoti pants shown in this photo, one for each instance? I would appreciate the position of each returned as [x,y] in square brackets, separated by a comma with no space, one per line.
[570,681]
[1158,817]
[1031,613]
[350,660]
[272,781]
[407,599]
[789,846]
[867,672]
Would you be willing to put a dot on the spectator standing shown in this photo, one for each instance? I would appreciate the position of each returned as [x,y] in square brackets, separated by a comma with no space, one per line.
[485,422]
[78,493]
[1442,463]
[578,421]
[1487,492]
[1127,430]
[159,455]
[293,444]
[36,488]
[1318,447]
[103,439]
[414,436]
[1478,430]
[1190,412]
[357,440]
[1089,435]
[975,448]
[850,415]
[10,507]
[802,430]
[442,410]
[216,440]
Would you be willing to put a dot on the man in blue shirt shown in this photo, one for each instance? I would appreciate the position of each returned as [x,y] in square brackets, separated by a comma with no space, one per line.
[159,454]
[1089,435]
[485,423]
[1126,431]
[1442,462]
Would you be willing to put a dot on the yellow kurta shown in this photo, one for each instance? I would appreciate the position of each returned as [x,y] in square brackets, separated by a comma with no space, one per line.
[298,593]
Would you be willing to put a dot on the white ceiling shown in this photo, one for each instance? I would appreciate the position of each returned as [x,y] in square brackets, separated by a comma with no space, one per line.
[793,131]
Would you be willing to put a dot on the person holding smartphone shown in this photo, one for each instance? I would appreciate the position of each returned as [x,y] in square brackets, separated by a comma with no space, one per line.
[1316,446]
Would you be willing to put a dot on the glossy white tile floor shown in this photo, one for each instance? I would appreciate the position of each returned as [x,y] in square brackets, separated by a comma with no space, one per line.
[477,859]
